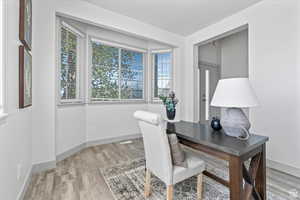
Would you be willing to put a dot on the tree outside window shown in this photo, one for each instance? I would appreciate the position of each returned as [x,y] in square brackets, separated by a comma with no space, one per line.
[116,74]
[68,69]
[162,75]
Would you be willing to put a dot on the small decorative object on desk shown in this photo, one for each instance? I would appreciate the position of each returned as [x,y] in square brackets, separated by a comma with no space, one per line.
[216,124]
[170,102]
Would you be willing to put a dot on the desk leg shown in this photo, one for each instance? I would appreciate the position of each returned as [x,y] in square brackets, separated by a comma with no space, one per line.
[260,183]
[236,178]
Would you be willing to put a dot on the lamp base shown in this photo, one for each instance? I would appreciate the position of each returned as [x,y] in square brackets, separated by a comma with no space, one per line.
[235,123]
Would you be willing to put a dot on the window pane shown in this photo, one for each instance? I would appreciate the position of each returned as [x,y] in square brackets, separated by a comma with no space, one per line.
[162,73]
[68,56]
[105,71]
[132,76]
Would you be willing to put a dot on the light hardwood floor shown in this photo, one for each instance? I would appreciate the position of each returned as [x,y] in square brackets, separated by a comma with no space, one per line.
[78,177]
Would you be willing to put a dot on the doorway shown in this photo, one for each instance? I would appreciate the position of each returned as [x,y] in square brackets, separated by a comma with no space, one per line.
[209,77]
[219,58]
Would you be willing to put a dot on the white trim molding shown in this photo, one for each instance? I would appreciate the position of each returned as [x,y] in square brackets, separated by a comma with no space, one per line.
[161,51]
[25,185]
[116,44]
[72,29]
[70,152]
[43,166]
[112,140]
[3,117]
[80,68]
[154,99]
[283,168]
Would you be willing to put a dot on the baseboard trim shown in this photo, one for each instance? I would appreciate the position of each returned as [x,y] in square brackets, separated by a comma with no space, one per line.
[70,152]
[43,166]
[283,168]
[25,185]
[79,147]
[112,140]
[40,167]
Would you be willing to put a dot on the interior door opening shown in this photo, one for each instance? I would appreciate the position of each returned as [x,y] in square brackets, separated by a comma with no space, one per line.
[224,57]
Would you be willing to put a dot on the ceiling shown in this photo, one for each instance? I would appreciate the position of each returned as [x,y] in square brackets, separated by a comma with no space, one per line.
[183,17]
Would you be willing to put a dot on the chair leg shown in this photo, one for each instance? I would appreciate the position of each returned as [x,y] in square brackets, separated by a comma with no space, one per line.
[147,183]
[170,192]
[199,186]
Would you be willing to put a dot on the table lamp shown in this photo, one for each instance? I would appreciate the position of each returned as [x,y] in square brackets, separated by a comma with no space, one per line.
[235,94]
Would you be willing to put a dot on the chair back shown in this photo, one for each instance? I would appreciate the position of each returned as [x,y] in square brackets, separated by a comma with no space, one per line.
[156,144]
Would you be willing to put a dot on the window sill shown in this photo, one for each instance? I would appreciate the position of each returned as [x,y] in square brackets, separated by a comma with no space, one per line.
[70,104]
[118,102]
[67,104]
[3,117]
[156,101]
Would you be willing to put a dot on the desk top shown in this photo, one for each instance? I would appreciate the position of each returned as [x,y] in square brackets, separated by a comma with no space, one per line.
[203,134]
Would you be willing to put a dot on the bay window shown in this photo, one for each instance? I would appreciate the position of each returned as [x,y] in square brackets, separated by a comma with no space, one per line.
[162,73]
[95,70]
[116,72]
[132,75]
[71,43]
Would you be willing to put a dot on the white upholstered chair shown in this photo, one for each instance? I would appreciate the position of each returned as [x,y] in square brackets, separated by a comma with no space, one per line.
[158,156]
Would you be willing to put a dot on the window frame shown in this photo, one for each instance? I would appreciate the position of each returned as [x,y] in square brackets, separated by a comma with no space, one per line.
[80,63]
[3,60]
[119,46]
[153,52]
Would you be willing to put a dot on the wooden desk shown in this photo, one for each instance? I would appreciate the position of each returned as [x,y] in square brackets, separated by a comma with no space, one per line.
[236,152]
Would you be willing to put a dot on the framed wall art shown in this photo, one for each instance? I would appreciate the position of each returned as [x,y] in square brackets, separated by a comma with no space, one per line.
[25,32]
[25,78]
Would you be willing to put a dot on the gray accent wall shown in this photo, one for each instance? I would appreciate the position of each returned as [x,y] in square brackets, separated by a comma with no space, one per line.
[234,55]
[230,53]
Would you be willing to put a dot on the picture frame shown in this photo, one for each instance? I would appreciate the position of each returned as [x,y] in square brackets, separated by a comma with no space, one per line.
[25,77]
[25,23]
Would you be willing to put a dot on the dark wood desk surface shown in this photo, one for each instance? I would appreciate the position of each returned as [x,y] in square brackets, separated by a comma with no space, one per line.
[201,137]
[205,135]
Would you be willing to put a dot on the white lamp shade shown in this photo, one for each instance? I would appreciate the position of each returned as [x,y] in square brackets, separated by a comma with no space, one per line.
[235,93]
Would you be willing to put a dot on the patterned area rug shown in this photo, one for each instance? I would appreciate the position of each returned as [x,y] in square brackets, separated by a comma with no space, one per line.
[126,181]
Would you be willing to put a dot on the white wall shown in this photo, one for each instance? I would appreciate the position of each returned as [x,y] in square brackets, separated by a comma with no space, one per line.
[78,124]
[45,111]
[70,127]
[15,132]
[111,121]
[273,70]
[273,57]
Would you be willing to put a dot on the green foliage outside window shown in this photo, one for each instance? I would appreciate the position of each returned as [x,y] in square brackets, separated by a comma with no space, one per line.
[68,69]
[105,71]
[131,75]
[162,74]
[116,73]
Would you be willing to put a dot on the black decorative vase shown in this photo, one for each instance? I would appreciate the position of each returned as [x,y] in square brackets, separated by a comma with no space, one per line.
[216,124]
[171,114]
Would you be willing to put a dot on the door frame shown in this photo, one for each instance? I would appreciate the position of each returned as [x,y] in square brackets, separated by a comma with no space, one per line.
[196,102]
